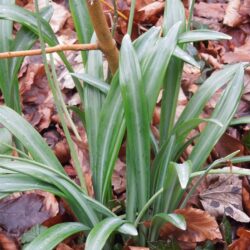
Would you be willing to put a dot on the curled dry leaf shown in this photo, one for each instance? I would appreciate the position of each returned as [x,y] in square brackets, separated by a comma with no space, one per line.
[201,226]
[243,242]
[224,196]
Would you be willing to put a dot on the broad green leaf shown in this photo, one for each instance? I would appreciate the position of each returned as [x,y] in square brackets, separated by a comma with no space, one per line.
[101,232]
[29,137]
[82,22]
[136,116]
[52,236]
[183,172]
[201,35]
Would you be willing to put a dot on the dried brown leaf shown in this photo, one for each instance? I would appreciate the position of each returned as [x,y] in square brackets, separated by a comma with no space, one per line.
[7,242]
[243,242]
[201,226]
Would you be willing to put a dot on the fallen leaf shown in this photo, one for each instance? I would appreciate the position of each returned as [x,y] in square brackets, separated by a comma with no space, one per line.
[210,10]
[7,242]
[243,242]
[60,14]
[227,145]
[201,226]
[232,17]
[19,214]
[224,196]
[63,246]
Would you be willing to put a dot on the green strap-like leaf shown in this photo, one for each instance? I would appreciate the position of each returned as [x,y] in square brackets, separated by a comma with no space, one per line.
[100,233]
[5,44]
[241,120]
[184,56]
[94,82]
[52,236]
[202,35]
[93,99]
[224,112]
[158,220]
[136,116]
[24,40]
[29,137]
[112,125]
[28,19]
[82,22]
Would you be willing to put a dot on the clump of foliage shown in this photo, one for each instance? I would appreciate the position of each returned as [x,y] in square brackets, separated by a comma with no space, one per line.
[123,103]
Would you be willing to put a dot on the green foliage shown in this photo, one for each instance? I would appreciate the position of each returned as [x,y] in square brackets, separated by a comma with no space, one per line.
[114,108]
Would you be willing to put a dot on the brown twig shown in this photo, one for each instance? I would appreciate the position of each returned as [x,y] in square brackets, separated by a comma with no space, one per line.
[58,48]
[104,36]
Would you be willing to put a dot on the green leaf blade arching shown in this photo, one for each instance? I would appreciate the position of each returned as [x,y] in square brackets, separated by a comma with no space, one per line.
[136,116]
[202,35]
[29,137]
[99,235]
[224,112]
[159,219]
[52,236]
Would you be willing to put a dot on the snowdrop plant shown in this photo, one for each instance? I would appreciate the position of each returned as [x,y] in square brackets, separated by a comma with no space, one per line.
[118,108]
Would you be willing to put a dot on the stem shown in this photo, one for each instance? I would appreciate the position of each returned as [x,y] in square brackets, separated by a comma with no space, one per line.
[52,85]
[58,48]
[105,40]
[147,205]
[113,9]
[131,17]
